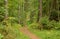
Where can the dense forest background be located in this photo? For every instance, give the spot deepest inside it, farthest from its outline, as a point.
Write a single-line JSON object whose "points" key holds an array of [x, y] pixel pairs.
{"points": [[34, 14]]}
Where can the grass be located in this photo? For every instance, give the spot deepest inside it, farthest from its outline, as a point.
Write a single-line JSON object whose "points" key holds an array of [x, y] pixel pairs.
{"points": [[47, 34], [22, 36], [19, 34]]}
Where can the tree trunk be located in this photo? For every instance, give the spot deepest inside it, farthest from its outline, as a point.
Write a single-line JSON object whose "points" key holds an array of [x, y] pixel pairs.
{"points": [[19, 12], [58, 8], [6, 9], [40, 14], [40, 10]]}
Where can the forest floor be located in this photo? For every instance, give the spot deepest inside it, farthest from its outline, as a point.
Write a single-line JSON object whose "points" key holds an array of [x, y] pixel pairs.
{"points": [[26, 31]]}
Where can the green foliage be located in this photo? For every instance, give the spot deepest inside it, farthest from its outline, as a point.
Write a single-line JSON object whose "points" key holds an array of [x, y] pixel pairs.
{"points": [[1, 18], [12, 31], [46, 24], [1, 36], [34, 26], [49, 24], [54, 15], [44, 21], [28, 14], [2, 13], [13, 20], [57, 25]]}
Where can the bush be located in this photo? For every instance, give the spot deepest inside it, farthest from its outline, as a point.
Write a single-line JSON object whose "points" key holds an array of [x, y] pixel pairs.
{"points": [[44, 21], [45, 24], [1, 18], [34, 26], [9, 31], [13, 20], [49, 24], [57, 26], [54, 15], [1, 36]]}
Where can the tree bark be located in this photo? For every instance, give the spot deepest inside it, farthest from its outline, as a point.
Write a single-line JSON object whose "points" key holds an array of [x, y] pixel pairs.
{"points": [[19, 14], [6, 9], [40, 10]]}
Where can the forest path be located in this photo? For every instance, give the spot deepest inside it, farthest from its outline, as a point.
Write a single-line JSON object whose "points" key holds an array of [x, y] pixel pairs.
{"points": [[26, 31]]}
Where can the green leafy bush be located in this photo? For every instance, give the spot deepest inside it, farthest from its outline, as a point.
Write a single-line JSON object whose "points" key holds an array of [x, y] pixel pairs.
{"points": [[46, 24], [34, 25], [49, 24], [1, 36], [57, 25], [44, 21], [54, 15], [13, 20], [9, 31]]}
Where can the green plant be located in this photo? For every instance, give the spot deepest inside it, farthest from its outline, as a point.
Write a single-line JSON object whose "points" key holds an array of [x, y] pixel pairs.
{"points": [[57, 26], [44, 21], [1, 36], [49, 24], [34, 25], [54, 15]]}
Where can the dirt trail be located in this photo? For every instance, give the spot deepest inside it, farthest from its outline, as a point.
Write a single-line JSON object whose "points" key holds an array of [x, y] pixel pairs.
{"points": [[28, 33]]}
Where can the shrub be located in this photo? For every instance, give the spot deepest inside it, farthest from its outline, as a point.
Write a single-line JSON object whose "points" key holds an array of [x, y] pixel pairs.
{"points": [[9, 31], [1, 36], [1, 18], [57, 26], [34, 26], [44, 21], [13, 20], [54, 15], [51, 24]]}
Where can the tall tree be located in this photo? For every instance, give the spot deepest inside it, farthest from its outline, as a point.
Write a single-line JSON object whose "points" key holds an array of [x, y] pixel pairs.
{"points": [[25, 12], [58, 9], [40, 10], [47, 7], [40, 14], [6, 9], [19, 11]]}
